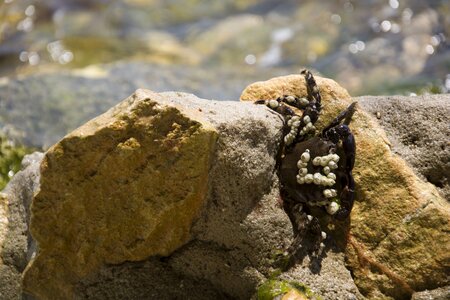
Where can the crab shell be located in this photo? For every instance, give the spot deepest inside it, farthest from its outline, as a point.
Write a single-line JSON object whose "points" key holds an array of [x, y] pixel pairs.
{"points": [[311, 194]]}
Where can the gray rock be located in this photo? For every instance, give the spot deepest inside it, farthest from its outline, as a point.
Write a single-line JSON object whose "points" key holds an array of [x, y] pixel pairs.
{"points": [[18, 247], [442, 293], [418, 128], [240, 230]]}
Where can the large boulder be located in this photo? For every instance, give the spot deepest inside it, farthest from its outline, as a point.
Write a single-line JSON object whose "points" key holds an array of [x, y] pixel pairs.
{"points": [[167, 196], [418, 129], [399, 225], [125, 186], [16, 245]]}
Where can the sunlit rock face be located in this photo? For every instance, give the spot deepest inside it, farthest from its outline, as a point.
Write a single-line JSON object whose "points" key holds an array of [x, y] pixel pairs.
{"points": [[399, 224], [125, 186], [417, 128], [224, 240]]}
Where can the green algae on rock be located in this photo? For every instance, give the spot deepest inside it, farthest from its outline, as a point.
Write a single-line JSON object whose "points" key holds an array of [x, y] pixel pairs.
{"points": [[125, 186], [10, 157], [291, 290]]}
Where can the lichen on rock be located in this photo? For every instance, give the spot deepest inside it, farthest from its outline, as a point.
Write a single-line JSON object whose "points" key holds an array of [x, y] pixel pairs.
{"points": [[125, 186]]}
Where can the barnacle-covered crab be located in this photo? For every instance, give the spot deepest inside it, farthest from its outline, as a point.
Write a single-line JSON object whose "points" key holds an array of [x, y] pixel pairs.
{"points": [[315, 170]]}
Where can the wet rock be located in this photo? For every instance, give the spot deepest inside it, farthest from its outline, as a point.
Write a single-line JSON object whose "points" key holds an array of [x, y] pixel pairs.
{"points": [[417, 128], [125, 186], [232, 39], [16, 246], [402, 249]]}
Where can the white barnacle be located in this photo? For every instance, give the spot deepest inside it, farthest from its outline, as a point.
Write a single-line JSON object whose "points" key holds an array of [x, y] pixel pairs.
{"points": [[295, 118], [309, 178], [332, 165], [289, 123], [322, 245], [324, 235], [317, 178], [327, 193], [309, 217], [301, 164], [333, 192], [304, 101], [326, 170], [309, 126], [316, 161], [331, 176], [330, 182], [303, 171], [288, 139], [324, 160], [273, 104], [335, 157], [302, 132], [290, 99], [300, 179], [306, 119], [332, 208], [296, 124], [305, 156]]}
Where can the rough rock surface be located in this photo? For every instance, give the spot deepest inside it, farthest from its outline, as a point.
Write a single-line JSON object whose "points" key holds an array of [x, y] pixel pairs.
{"points": [[399, 225], [241, 228], [16, 246], [436, 294], [123, 187], [418, 129], [230, 248]]}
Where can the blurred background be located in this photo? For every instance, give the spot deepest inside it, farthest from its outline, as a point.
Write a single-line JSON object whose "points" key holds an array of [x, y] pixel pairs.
{"points": [[63, 62]]}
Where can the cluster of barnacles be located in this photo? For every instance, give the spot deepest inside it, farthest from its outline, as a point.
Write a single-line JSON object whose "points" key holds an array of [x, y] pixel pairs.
{"points": [[328, 179]]}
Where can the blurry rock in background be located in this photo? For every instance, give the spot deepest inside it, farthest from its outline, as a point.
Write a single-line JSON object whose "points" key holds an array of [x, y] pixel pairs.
{"points": [[370, 47]]}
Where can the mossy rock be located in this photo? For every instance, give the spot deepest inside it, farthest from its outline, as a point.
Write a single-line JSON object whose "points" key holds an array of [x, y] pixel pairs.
{"points": [[280, 289]]}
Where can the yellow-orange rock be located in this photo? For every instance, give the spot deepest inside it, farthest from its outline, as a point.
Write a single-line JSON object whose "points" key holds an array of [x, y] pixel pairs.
{"points": [[125, 186], [398, 241]]}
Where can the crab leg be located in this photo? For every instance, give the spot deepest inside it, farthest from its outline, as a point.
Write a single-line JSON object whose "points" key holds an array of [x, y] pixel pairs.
{"points": [[311, 85], [302, 223], [347, 198], [345, 116], [349, 147]]}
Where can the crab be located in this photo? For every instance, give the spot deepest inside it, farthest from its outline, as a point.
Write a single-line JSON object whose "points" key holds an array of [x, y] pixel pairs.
{"points": [[314, 169]]}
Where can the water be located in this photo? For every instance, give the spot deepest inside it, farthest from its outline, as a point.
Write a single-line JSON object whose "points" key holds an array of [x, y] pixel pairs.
{"points": [[369, 47]]}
